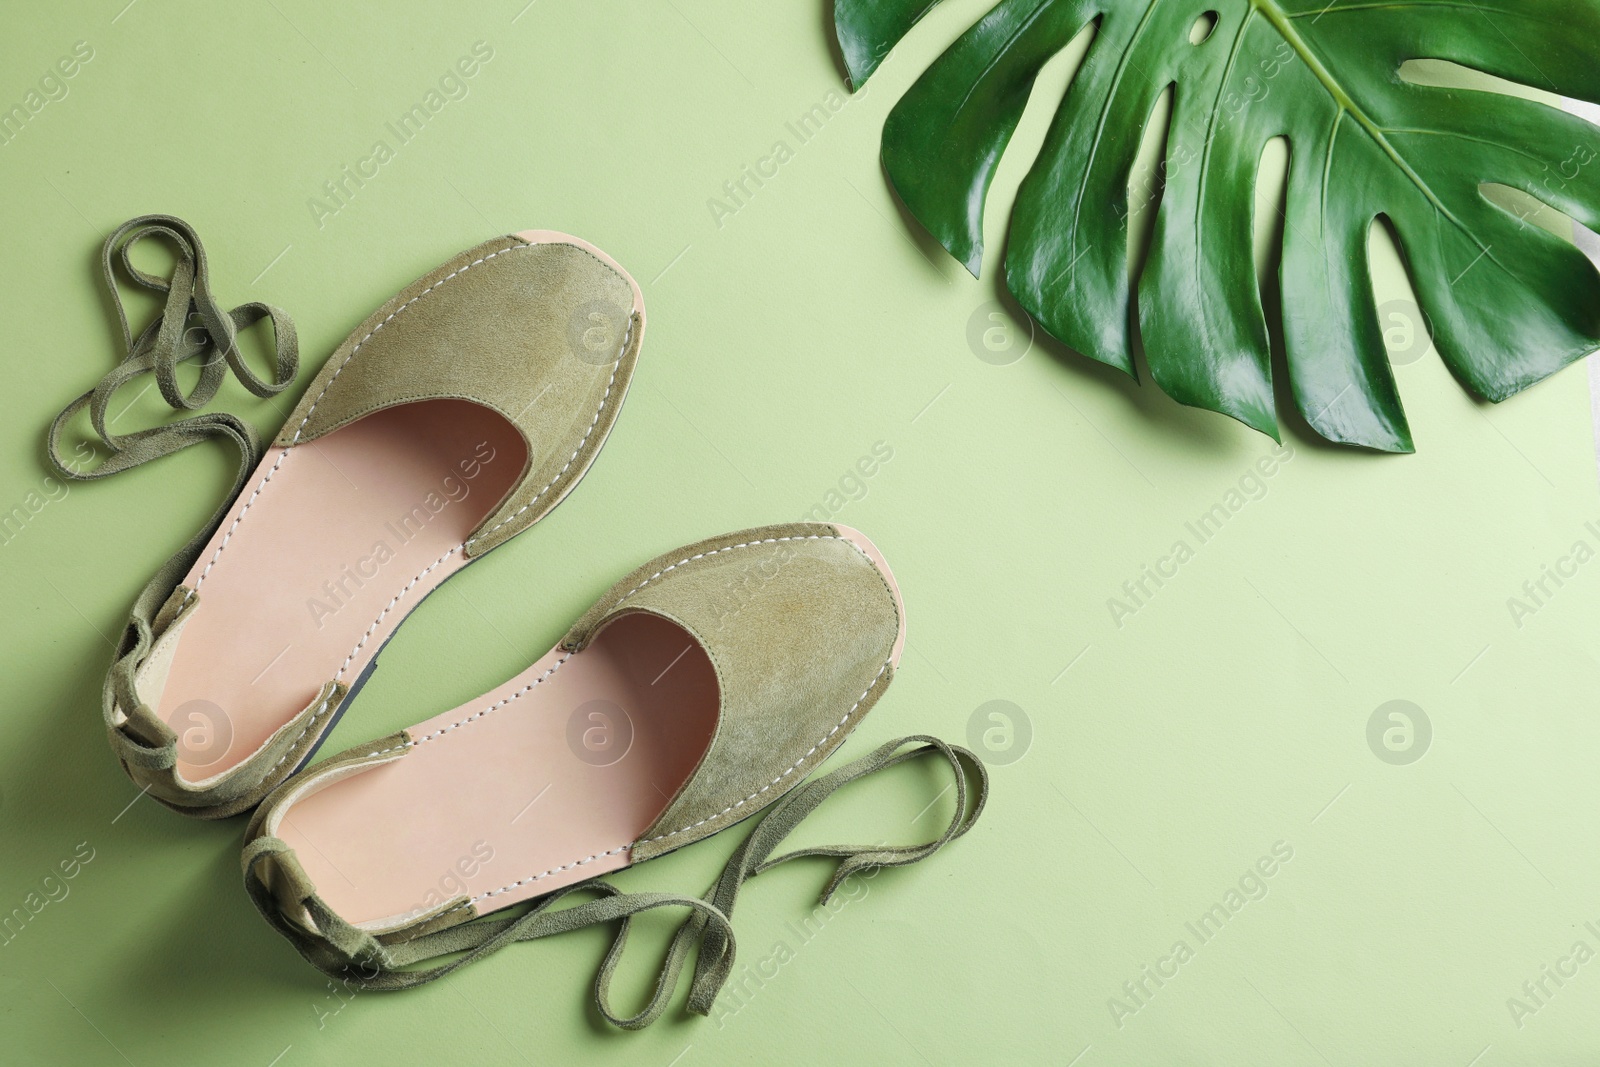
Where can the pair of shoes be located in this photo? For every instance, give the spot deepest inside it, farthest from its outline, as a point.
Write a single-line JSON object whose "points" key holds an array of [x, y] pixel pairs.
{"points": [[700, 690]]}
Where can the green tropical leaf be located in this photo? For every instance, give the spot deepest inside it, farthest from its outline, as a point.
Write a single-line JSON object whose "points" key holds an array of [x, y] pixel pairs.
{"points": [[1509, 303]]}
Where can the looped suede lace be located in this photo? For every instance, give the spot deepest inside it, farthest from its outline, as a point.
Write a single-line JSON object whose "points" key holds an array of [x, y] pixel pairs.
{"points": [[363, 961], [192, 326]]}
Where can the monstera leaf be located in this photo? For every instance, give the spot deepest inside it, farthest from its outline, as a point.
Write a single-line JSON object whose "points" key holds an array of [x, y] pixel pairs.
{"points": [[1508, 302]]}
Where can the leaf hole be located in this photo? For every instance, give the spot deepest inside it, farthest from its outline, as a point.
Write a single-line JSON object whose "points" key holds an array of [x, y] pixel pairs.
{"points": [[1550, 197], [1443, 74], [1147, 180], [1200, 32], [1267, 225], [1406, 329], [1272, 196], [1531, 209]]}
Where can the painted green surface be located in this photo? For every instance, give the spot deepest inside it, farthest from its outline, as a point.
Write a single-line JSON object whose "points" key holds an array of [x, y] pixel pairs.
{"points": [[1510, 304], [1172, 743]]}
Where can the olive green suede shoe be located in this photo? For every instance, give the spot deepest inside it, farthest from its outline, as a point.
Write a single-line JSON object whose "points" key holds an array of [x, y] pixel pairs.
{"points": [[454, 418], [702, 688]]}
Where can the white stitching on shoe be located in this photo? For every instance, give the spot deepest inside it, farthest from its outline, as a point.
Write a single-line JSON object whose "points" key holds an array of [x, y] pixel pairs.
{"points": [[237, 519], [312, 409], [309, 724], [416, 913], [390, 607], [546, 874], [495, 706], [274, 469], [556, 666], [731, 807], [702, 822], [627, 339], [729, 548], [467, 544], [624, 596], [785, 774], [599, 411]]}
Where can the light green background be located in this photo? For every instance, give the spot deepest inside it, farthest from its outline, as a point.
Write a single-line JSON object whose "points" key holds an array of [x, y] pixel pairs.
{"points": [[1167, 755]]}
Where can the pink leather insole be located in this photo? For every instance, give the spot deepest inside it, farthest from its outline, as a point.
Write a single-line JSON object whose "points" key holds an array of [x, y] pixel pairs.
{"points": [[541, 783], [328, 548]]}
